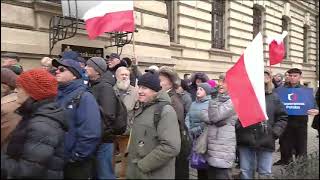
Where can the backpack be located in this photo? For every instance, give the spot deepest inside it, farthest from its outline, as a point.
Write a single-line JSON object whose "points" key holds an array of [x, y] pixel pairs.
{"points": [[119, 126], [186, 144]]}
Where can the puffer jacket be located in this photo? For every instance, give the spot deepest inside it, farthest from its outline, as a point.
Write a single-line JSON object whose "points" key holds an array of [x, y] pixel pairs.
{"points": [[194, 116], [255, 136], [221, 132], [36, 147], [152, 150]]}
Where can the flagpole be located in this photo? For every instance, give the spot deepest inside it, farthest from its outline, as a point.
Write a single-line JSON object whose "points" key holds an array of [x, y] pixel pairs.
{"points": [[134, 48]]}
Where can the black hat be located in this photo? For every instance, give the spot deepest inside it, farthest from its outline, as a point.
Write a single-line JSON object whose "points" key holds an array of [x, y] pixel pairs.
{"points": [[114, 55], [294, 70], [150, 80], [11, 55]]}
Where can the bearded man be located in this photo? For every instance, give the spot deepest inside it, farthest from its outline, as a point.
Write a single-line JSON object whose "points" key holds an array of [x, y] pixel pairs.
{"points": [[129, 96]]}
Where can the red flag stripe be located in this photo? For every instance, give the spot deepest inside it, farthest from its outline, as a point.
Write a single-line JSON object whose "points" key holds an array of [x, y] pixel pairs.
{"points": [[242, 94], [122, 21]]}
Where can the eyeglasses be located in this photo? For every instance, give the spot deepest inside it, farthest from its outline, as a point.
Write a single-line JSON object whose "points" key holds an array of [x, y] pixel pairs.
{"points": [[62, 69]]}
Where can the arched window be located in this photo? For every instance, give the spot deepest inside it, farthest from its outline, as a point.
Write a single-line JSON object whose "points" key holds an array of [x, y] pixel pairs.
{"points": [[217, 24], [257, 21]]}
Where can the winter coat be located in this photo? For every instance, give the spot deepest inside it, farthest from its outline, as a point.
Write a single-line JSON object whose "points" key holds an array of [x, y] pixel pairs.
{"points": [[194, 116], [221, 132], [186, 100], [177, 106], [35, 150], [129, 98], [9, 119], [255, 136], [83, 119], [152, 150], [134, 74], [102, 90]]}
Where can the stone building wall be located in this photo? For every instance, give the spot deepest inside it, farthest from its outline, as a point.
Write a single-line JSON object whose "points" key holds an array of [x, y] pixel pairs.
{"points": [[24, 30]]}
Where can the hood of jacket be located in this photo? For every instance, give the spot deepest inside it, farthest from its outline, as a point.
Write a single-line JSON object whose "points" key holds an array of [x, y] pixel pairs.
{"points": [[107, 77], [223, 97], [206, 98], [162, 96], [46, 108]]}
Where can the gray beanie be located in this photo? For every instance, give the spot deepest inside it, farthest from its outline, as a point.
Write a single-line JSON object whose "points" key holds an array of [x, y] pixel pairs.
{"points": [[207, 88], [98, 63]]}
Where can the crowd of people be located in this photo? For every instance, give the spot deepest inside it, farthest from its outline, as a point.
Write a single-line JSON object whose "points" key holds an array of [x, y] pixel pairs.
{"points": [[71, 118]]}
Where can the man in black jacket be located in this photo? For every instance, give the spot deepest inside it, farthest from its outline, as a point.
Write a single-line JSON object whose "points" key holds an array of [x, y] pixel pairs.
{"points": [[257, 142], [102, 82], [295, 135]]}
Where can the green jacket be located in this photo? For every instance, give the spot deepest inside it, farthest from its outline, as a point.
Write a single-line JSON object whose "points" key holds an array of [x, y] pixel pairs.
{"points": [[152, 150]]}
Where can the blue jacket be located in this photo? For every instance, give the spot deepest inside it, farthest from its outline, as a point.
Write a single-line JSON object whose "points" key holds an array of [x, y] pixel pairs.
{"points": [[84, 121], [193, 118]]}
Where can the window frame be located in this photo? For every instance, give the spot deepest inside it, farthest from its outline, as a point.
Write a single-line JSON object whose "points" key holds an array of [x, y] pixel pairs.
{"points": [[305, 43], [217, 24]]}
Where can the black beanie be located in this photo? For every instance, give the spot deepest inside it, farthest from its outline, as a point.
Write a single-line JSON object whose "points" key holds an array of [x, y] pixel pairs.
{"points": [[150, 80]]}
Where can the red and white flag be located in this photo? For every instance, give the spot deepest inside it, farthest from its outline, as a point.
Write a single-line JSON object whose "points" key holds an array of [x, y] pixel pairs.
{"points": [[245, 81], [109, 16], [276, 48]]}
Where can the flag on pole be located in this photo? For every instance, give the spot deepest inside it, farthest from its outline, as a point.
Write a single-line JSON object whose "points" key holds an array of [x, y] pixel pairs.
{"points": [[109, 16], [276, 48], [245, 81]]}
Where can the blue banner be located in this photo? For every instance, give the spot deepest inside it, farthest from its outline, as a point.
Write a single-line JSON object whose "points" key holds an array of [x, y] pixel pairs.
{"points": [[297, 101]]}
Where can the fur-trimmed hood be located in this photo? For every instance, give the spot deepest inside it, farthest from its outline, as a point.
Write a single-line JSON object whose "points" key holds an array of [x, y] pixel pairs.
{"points": [[171, 74]]}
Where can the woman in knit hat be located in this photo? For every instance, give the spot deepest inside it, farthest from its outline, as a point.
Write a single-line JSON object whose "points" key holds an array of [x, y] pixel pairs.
{"points": [[197, 78], [155, 139], [35, 149], [194, 119], [9, 119]]}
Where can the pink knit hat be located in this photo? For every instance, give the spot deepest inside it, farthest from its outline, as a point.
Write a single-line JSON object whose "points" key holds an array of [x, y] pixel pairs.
{"points": [[212, 83]]}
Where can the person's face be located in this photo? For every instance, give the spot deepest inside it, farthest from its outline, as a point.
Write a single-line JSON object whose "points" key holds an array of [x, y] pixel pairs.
{"points": [[91, 72], [63, 75], [186, 76], [201, 93], [287, 77], [146, 94], [8, 62], [223, 88], [277, 78], [267, 78], [294, 78], [165, 83], [22, 95], [5, 89], [123, 75], [198, 81], [113, 62]]}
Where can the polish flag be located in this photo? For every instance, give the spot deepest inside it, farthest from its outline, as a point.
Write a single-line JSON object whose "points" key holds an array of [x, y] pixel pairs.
{"points": [[276, 48], [109, 16], [245, 81]]}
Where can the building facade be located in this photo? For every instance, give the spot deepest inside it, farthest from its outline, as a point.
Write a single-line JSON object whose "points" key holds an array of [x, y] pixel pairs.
{"points": [[206, 35]]}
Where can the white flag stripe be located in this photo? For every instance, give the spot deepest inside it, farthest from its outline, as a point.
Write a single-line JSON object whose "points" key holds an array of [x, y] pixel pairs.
{"points": [[105, 7], [254, 64]]}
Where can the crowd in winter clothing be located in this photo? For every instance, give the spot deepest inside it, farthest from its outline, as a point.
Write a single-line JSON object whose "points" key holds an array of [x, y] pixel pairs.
{"points": [[72, 117]]}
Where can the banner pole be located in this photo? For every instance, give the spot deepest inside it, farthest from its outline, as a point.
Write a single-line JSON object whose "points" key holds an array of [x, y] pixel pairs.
{"points": [[134, 48]]}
